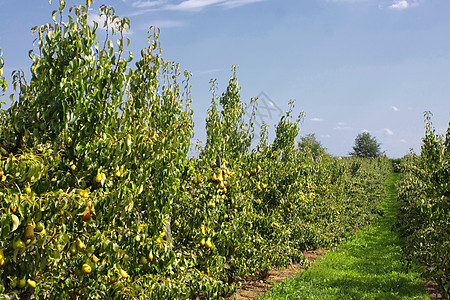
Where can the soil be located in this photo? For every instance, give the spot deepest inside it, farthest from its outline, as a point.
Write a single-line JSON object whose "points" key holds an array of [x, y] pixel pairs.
{"points": [[253, 289], [433, 289]]}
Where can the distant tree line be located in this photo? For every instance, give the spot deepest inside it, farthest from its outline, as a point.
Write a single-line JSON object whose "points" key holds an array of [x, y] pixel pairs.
{"points": [[366, 145]]}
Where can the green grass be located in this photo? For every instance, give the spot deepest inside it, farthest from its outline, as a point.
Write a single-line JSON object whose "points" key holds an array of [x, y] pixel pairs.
{"points": [[367, 266]]}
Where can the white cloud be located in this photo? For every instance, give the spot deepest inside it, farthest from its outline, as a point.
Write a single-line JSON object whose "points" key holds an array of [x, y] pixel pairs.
{"points": [[187, 4], [96, 17], [236, 3], [403, 141], [101, 21], [392, 4], [342, 128], [163, 24], [388, 131], [403, 4], [316, 119], [394, 108], [193, 4], [348, 1], [147, 4], [209, 71]]}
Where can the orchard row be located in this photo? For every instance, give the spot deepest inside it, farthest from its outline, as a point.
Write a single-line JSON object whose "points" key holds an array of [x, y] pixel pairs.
{"points": [[101, 201], [424, 219]]}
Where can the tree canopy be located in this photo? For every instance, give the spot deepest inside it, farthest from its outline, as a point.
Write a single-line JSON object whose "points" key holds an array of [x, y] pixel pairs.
{"points": [[366, 145], [310, 141]]}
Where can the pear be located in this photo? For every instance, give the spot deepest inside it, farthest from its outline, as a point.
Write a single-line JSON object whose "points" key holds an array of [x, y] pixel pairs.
{"points": [[203, 229], [124, 273], [87, 216], [87, 268], [80, 245], [73, 249], [98, 178], [209, 244], [214, 177], [220, 176], [143, 260], [21, 283], [18, 244], [31, 283], [29, 232]]}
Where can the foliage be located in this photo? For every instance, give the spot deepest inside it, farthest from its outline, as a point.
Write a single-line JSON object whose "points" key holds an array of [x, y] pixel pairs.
{"points": [[3, 83], [366, 146], [310, 141], [425, 213], [95, 152], [396, 164], [99, 198]]}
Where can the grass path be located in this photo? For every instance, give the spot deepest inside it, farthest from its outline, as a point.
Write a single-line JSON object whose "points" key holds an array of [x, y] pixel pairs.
{"points": [[367, 266]]}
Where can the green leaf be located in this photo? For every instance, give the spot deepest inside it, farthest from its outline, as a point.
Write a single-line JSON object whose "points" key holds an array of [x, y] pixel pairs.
{"points": [[16, 222], [95, 28], [54, 15], [129, 207], [55, 254], [5, 228]]}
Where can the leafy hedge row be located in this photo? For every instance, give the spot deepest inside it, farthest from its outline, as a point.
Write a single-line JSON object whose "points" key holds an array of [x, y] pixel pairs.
{"points": [[99, 197], [424, 193]]}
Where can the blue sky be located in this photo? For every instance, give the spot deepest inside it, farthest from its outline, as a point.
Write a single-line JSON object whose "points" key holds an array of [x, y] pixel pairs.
{"points": [[351, 65]]}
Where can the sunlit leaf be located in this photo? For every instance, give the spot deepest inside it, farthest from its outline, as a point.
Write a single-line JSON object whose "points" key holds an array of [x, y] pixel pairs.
{"points": [[15, 221]]}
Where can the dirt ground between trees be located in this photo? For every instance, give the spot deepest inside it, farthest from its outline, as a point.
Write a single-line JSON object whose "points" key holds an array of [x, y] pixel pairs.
{"points": [[252, 289], [433, 289]]}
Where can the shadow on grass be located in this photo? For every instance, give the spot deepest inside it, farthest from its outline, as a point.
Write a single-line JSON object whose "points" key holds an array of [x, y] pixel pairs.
{"points": [[368, 266]]}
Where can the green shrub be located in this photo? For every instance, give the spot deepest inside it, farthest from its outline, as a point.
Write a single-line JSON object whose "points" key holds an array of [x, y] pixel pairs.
{"points": [[425, 213]]}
